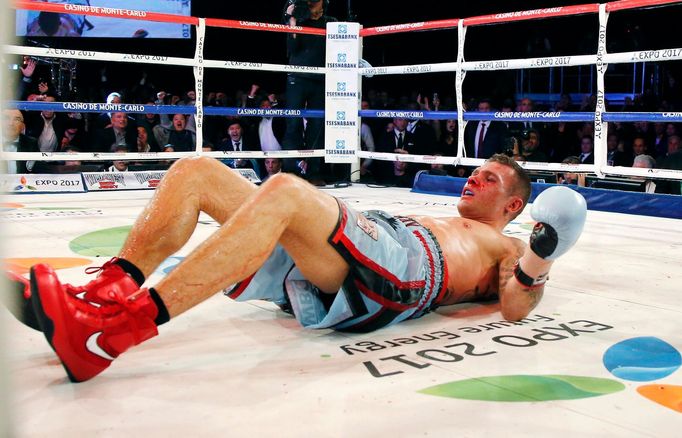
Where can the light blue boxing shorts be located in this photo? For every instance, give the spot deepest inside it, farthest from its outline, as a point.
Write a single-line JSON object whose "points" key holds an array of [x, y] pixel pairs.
{"points": [[397, 272]]}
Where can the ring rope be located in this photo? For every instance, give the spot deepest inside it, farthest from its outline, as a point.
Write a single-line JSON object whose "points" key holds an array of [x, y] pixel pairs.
{"points": [[460, 67]]}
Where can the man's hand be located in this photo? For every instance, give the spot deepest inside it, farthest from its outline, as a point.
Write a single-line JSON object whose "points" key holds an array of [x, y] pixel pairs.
{"points": [[29, 69], [561, 214], [292, 20], [254, 90]]}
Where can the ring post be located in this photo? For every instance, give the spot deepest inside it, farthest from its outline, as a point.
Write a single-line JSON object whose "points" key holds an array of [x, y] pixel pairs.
{"points": [[199, 84], [600, 127], [342, 88]]}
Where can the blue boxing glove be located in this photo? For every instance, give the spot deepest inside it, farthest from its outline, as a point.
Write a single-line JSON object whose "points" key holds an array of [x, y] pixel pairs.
{"points": [[560, 213]]}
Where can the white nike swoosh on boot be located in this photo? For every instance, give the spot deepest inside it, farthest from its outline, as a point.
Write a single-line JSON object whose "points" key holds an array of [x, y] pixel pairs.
{"points": [[81, 296], [94, 348]]}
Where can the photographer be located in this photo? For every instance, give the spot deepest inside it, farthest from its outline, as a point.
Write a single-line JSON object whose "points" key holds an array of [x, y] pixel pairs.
{"points": [[305, 90]]}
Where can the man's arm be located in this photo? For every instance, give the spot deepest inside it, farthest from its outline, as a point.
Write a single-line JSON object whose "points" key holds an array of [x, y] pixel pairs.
{"points": [[518, 299], [560, 214]]}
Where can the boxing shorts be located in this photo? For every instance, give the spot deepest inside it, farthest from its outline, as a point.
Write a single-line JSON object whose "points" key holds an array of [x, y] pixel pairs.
{"points": [[396, 272]]}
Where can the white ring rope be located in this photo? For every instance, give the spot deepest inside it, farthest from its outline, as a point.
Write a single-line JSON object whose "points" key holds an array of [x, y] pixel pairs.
{"points": [[460, 67]]}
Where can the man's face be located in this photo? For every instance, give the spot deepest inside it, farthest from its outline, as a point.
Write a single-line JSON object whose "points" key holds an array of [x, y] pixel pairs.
{"points": [[586, 146], [525, 105], [670, 129], [451, 125], [484, 107], [612, 143], [273, 165], [487, 193], [400, 124], [192, 95], [142, 136], [315, 5], [638, 146], [13, 123], [119, 120], [235, 132], [179, 122], [532, 143], [48, 114]]}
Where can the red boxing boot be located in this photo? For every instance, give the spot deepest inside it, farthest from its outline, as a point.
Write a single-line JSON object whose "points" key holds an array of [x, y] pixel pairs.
{"points": [[18, 301], [88, 336]]}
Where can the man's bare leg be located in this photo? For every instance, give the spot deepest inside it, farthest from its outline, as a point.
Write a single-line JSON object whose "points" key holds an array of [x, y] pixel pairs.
{"points": [[87, 336], [285, 209], [192, 185]]}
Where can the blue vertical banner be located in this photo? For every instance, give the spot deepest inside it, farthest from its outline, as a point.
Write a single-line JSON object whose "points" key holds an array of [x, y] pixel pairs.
{"points": [[342, 91]]}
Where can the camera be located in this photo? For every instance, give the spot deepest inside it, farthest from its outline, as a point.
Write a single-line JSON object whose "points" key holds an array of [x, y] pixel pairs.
{"points": [[302, 9]]}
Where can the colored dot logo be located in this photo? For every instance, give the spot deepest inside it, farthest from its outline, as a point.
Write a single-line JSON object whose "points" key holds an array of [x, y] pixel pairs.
{"points": [[641, 359], [23, 185]]}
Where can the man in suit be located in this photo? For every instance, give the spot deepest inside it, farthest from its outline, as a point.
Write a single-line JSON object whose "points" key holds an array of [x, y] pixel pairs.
{"points": [[120, 132], [237, 141], [673, 160], [586, 150], [15, 141], [269, 131], [400, 141], [484, 138]]}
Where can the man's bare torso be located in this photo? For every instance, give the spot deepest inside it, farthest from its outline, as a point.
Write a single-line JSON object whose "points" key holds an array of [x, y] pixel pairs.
{"points": [[473, 252]]}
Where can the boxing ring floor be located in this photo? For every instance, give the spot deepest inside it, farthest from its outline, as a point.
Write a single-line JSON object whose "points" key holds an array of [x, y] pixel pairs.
{"points": [[247, 369]]}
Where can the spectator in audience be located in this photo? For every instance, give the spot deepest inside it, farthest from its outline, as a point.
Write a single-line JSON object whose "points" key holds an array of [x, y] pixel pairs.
{"points": [[366, 143], [484, 138], [74, 133], [570, 177], [272, 166], [586, 150], [400, 141], [103, 120], [447, 144], [15, 141], [673, 160], [119, 165], [236, 140], [119, 132], [530, 147], [47, 127], [71, 150], [179, 137], [525, 105], [660, 140], [615, 157], [422, 131], [646, 162], [143, 144], [639, 146], [305, 90], [268, 130]]}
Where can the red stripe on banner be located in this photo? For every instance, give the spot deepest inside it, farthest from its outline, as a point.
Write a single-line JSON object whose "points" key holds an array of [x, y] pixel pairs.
{"points": [[533, 14], [383, 301], [105, 12], [410, 27], [632, 4], [251, 25]]}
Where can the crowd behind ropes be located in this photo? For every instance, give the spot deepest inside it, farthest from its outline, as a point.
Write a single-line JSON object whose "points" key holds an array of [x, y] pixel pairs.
{"points": [[632, 144]]}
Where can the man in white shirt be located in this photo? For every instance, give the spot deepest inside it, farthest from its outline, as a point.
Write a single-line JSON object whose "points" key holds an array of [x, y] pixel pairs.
{"points": [[15, 141]]}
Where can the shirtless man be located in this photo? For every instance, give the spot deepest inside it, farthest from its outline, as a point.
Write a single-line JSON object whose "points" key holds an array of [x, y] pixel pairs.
{"points": [[292, 244]]}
